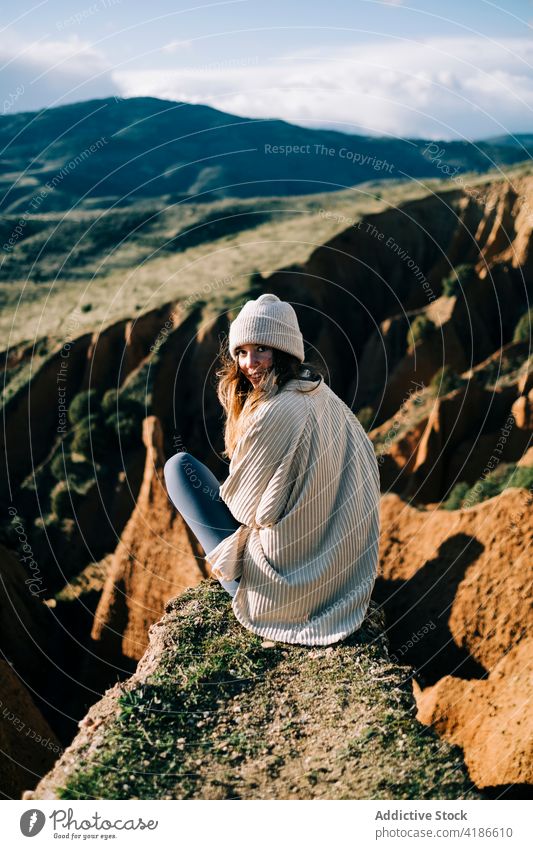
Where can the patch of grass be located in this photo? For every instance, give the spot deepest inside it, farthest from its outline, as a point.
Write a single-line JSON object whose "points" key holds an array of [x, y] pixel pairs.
{"points": [[505, 369], [522, 331], [421, 329], [459, 280], [445, 380], [83, 405], [201, 669], [61, 500], [366, 416], [506, 475], [217, 225], [456, 496], [405, 765], [16, 379]]}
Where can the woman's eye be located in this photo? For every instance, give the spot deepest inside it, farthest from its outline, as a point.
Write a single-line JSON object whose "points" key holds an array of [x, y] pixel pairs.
{"points": [[259, 349]]}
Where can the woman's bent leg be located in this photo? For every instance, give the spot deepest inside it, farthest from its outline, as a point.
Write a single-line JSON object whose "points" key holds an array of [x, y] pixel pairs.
{"points": [[194, 491]]}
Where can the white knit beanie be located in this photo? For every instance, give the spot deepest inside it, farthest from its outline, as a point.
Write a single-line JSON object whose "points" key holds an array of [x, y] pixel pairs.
{"points": [[267, 321]]}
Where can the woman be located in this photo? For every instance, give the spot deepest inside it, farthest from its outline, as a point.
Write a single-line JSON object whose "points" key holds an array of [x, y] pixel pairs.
{"points": [[293, 532]]}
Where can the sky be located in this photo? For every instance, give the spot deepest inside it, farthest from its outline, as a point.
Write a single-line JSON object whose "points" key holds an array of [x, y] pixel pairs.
{"points": [[407, 68]]}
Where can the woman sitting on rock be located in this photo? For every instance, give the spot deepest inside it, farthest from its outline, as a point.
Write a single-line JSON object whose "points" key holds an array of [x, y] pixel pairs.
{"points": [[292, 534]]}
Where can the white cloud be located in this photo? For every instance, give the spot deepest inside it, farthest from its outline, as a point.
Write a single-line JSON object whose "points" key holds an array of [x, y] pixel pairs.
{"points": [[50, 72], [439, 88], [174, 46]]}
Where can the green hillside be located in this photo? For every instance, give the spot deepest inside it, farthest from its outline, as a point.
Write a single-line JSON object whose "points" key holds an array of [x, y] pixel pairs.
{"points": [[118, 151]]}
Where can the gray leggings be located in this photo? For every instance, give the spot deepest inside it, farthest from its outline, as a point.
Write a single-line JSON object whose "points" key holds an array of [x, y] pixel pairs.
{"points": [[194, 491]]}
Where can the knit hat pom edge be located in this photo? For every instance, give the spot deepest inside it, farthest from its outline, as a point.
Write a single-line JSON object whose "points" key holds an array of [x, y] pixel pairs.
{"points": [[267, 298]]}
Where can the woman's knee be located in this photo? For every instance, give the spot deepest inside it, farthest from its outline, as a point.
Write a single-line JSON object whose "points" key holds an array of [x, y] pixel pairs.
{"points": [[178, 465]]}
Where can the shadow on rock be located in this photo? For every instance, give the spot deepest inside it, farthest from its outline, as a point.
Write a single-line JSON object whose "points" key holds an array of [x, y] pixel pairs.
{"points": [[417, 611]]}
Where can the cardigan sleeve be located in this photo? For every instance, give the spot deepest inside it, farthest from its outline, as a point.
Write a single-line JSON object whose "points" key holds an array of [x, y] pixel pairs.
{"points": [[261, 469], [226, 558], [260, 478]]}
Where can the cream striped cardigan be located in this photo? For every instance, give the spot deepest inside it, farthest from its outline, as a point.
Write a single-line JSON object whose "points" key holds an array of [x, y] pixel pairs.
{"points": [[304, 483]]}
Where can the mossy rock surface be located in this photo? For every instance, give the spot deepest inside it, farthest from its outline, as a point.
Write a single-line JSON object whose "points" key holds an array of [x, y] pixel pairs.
{"points": [[215, 712]]}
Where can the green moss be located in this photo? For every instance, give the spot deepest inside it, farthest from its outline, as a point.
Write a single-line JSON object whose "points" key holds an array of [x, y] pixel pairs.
{"points": [[506, 475], [123, 416], [192, 678], [83, 405], [366, 416], [522, 331], [456, 496], [91, 437], [421, 329], [521, 477], [78, 474], [459, 280], [445, 380], [61, 500], [504, 370]]}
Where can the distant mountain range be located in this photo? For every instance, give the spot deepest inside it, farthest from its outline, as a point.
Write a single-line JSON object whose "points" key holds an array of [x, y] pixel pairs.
{"points": [[114, 152]]}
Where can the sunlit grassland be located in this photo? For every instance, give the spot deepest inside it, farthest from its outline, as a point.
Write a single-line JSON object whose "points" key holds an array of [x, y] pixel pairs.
{"points": [[104, 265]]}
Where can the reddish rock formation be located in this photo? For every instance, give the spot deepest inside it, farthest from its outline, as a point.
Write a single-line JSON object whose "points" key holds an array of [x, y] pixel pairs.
{"points": [[467, 570], [156, 559], [184, 396], [102, 359], [425, 451], [28, 745], [117, 350], [31, 416], [365, 275], [522, 411], [451, 420], [506, 229], [26, 624], [527, 459], [393, 376], [455, 587], [491, 719]]}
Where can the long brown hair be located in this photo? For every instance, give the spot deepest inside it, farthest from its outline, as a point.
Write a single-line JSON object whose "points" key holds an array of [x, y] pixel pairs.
{"points": [[239, 397]]}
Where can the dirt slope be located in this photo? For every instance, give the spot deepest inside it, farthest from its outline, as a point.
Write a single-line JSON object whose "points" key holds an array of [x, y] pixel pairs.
{"points": [[490, 719], [456, 588]]}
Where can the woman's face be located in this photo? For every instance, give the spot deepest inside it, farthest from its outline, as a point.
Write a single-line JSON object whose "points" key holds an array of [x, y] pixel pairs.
{"points": [[253, 360]]}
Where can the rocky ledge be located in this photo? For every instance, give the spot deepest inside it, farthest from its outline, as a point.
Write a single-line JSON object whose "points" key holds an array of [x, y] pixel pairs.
{"points": [[215, 712]]}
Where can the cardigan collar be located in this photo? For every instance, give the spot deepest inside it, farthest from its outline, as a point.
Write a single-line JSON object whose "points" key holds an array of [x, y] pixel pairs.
{"points": [[301, 385]]}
